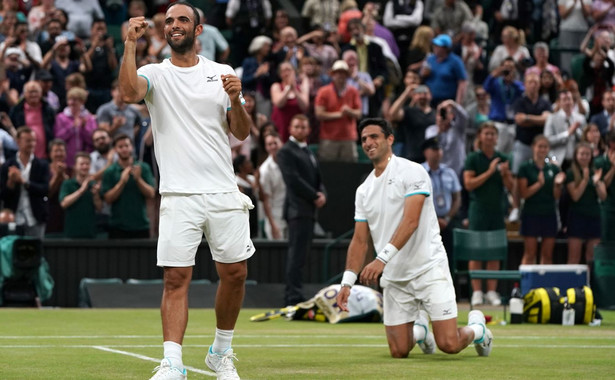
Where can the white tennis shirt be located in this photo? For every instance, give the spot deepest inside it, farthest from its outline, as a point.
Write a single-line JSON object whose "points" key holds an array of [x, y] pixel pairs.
{"points": [[380, 202], [188, 108]]}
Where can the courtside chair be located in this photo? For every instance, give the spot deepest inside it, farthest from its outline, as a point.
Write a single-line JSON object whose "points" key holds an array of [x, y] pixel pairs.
{"points": [[482, 246]]}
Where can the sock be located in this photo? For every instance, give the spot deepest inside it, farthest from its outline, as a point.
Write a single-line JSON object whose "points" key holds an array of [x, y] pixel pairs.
{"points": [[173, 352], [222, 341], [418, 332], [479, 332]]}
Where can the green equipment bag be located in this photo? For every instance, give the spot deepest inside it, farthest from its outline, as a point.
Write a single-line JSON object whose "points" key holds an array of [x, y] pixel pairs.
{"points": [[582, 301], [542, 305]]}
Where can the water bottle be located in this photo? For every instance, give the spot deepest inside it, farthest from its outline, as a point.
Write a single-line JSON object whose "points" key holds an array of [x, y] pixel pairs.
{"points": [[567, 314], [516, 305]]}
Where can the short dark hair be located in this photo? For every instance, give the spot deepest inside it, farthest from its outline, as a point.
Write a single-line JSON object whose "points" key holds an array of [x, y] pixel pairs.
{"points": [[98, 20], [356, 21], [56, 142], [23, 129], [99, 129], [301, 117], [384, 125], [120, 137], [197, 18], [83, 155]]}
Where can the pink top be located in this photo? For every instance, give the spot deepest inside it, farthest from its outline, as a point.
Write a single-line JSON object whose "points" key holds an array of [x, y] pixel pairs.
{"points": [[77, 139], [34, 119]]}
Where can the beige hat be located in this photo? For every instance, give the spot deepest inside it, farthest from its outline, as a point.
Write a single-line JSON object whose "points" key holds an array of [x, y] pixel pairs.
{"points": [[340, 65]]}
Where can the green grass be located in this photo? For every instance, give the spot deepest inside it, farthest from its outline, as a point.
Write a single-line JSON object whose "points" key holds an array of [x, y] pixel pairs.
{"points": [[62, 344]]}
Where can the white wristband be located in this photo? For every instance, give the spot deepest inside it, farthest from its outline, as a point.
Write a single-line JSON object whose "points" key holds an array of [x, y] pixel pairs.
{"points": [[387, 253], [349, 278]]}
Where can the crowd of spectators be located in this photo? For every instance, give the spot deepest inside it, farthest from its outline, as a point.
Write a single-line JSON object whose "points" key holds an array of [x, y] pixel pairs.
{"points": [[469, 74]]}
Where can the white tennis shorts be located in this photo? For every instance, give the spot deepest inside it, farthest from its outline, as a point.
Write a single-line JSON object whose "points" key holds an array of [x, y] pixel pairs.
{"points": [[223, 217], [432, 291]]}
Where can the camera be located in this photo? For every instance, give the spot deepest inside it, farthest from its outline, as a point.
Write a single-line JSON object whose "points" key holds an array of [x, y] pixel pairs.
{"points": [[443, 112], [505, 72]]}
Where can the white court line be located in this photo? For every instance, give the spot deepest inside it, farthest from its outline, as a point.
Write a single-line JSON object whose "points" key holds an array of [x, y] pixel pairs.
{"points": [[149, 359], [107, 348], [329, 336]]}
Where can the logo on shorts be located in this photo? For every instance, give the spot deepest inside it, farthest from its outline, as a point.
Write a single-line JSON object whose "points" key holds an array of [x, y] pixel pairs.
{"points": [[446, 312], [248, 248], [213, 78]]}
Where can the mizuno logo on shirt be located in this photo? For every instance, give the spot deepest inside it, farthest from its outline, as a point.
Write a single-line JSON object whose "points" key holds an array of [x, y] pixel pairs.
{"points": [[213, 78], [418, 185]]}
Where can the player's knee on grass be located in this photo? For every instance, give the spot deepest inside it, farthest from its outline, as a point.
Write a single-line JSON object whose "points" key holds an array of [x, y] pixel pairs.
{"points": [[398, 350], [449, 344], [448, 347], [399, 354]]}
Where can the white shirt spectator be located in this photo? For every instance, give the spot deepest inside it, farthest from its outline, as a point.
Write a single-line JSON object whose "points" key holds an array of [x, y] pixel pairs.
{"points": [[556, 131]]}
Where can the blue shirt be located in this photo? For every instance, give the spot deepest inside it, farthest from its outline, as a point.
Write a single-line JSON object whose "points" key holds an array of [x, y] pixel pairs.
{"points": [[445, 75], [444, 184], [502, 95]]}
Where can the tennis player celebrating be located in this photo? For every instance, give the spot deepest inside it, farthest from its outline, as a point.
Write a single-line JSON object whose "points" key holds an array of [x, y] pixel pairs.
{"points": [[395, 214], [193, 103]]}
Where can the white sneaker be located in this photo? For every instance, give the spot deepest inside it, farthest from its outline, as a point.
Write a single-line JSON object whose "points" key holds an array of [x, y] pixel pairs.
{"points": [[514, 215], [493, 298], [166, 371], [222, 365], [427, 345], [484, 348], [477, 298], [482, 344]]}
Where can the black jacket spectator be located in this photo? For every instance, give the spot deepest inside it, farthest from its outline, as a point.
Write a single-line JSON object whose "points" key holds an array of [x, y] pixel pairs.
{"points": [[38, 188]]}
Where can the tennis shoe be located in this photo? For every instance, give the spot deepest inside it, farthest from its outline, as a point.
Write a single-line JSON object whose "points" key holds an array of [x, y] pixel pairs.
{"points": [[222, 364], [483, 344], [427, 345], [166, 371]]}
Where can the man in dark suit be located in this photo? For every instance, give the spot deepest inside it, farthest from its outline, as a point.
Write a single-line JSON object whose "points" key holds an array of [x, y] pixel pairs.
{"points": [[24, 185], [304, 194]]}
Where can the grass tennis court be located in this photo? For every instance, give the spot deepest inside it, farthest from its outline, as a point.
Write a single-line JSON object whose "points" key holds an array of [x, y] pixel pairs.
{"points": [[126, 344]]}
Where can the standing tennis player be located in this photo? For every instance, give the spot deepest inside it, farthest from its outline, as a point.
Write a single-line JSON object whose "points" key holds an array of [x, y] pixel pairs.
{"points": [[394, 214], [193, 103]]}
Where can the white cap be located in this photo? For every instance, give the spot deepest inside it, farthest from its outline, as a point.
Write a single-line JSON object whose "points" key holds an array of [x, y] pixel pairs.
{"points": [[340, 65], [15, 50]]}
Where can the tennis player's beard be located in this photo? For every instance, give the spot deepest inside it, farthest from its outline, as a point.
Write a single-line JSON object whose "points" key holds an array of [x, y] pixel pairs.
{"points": [[183, 46]]}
